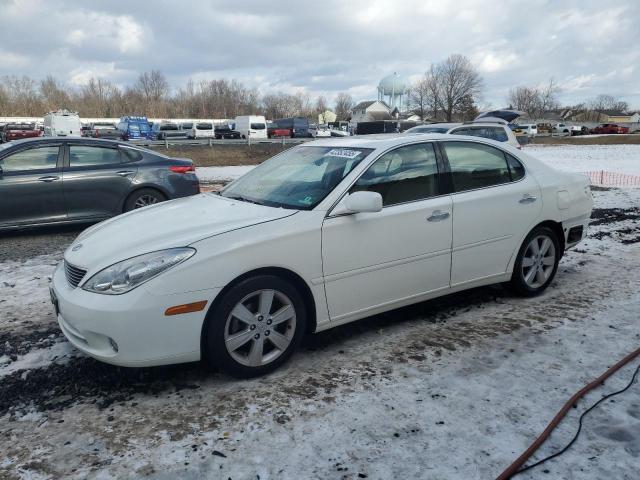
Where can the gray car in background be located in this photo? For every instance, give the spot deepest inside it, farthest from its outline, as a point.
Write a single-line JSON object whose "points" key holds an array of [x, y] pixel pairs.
{"points": [[77, 180]]}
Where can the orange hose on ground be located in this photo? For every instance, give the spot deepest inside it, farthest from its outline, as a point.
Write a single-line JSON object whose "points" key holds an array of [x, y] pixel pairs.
{"points": [[519, 462]]}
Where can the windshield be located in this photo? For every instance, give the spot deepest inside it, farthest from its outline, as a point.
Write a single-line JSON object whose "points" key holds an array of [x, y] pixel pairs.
{"points": [[133, 127], [299, 178]]}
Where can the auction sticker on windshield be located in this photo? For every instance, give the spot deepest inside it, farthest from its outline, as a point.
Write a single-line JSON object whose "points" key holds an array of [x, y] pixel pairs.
{"points": [[343, 153]]}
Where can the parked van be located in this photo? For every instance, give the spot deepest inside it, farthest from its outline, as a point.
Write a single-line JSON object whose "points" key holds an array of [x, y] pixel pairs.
{"points": [[297, 126], [202, 130], [252, 126], [62, 123], [133, 127]]}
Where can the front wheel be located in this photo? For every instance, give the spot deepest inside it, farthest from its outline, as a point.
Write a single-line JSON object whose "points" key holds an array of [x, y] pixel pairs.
{"points": [[256, 326], [537, 262]]}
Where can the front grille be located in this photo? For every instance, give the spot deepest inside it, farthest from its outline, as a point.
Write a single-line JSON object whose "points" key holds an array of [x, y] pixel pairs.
{"points": [[74, 274]]}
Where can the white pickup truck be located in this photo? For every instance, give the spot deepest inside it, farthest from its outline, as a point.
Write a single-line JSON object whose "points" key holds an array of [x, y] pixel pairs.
{"points": [[566, 129]]}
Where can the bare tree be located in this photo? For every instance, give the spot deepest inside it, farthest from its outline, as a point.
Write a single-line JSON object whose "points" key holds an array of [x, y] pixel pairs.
{"points": [[418, 97], [608, 102], [344, 104], [457, 80], [23, 95], [526, 99], [549, 96], [535, 100], [54, 95], [153, 87], [100, 98], [321, 105]]}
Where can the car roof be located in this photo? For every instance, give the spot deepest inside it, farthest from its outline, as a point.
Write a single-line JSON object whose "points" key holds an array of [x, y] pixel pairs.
{"points": [[377, 141], [96, 141], [436, 125], [384, 141]]}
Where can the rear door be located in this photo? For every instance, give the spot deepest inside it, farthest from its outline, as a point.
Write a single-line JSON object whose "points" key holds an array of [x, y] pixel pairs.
{"points": [[495, 203], [96, 180], [31, 186]]}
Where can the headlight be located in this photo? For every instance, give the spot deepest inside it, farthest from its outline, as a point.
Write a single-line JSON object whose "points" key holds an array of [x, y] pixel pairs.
{"points": [[128, 274]]}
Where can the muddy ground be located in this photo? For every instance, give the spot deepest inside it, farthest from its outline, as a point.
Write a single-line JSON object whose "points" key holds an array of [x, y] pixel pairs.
{"points": [[67, 416]]}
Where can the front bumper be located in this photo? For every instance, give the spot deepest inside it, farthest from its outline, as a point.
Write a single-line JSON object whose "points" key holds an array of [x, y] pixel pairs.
{"points": [[130, 330]]}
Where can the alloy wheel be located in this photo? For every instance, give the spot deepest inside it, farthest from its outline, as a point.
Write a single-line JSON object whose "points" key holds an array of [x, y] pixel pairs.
{"points": [[145, 200], [260, 328], [538, 261]]}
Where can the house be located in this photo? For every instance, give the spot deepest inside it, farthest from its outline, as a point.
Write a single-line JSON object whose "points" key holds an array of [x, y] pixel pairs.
{"points": [[606, 116], [370, 111], [613, 116]]}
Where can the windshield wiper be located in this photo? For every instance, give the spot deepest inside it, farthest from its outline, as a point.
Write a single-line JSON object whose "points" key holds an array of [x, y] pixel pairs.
{"points": [[245, 199]]}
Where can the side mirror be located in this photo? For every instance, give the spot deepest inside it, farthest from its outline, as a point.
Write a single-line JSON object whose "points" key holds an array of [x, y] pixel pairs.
{"points": [[359, 202]]}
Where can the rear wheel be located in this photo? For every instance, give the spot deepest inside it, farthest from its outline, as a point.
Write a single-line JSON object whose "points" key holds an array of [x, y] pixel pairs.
{"points": [[537, 262], [256, 326], [143, 198]]}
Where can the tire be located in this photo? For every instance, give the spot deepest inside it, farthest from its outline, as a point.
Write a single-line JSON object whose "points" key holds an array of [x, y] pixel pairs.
{"points": [[222, 326], [533, 272], [143, 198]]}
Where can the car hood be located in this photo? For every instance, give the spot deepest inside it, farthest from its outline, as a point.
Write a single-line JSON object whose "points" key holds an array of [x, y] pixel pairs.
{"points": [[175, 223]]}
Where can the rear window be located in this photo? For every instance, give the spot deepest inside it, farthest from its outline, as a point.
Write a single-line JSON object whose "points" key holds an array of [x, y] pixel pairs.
{"points": [[258, 126], [104, 126], [187, 126], [17, 126], [204, 126], [168, 127]]}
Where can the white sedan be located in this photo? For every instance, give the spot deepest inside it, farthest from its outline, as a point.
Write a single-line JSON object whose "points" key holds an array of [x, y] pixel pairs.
{"points": [[320, 235]]}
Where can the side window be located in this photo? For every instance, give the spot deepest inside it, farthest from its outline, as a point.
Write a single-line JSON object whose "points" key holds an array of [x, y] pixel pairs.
{"points": [[497, 133], [516, 168], [403, 175], [31, 159], [130, 155], [82, 156], [474, 165]]}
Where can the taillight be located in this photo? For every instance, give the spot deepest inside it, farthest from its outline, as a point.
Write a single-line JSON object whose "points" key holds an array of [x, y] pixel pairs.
{"points": [[182, 168]]}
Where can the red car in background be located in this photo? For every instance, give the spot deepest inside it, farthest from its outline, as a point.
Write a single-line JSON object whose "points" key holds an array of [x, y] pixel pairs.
{"points": [[610, 128], [17, 131]]}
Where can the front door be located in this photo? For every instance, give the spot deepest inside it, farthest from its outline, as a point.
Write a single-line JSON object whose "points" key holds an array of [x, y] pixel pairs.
{"points": [[376, 261], [31, 186], [96, 181], [495, 204]]}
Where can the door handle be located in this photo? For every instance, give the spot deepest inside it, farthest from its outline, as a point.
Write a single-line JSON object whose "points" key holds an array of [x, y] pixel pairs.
{"points": [[526, 198], [124, 173], [437, 216], [48, 178]]}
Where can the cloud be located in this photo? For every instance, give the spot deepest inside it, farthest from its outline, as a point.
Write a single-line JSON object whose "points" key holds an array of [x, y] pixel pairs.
{"points": [[327, 47]]}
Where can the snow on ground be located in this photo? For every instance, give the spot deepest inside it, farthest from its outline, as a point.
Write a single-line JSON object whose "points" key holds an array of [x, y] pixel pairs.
{"points": [[579, 158], [222, 174], [455, 388]]}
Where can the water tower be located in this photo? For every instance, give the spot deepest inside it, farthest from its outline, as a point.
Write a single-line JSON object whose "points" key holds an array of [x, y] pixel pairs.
{"points": [[393, 90]]}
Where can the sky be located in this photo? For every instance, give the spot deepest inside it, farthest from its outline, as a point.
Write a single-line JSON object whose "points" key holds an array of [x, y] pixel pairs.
{"points": [[326, 47]]}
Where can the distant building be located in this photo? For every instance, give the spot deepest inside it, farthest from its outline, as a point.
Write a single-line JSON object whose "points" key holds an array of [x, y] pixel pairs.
{"points": [[606, 116], [370, 111]]}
